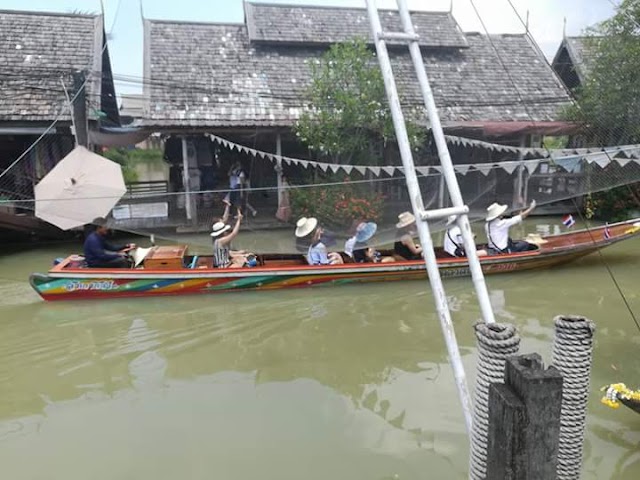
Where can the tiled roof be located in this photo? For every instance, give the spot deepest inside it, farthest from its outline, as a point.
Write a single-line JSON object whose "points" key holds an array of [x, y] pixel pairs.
{"points": [[327, 25], [580, 54], [37, 51], [212, 75]]}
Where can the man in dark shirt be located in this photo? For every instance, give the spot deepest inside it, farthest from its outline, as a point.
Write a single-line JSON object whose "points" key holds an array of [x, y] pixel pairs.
{"points": [[99, 253]]}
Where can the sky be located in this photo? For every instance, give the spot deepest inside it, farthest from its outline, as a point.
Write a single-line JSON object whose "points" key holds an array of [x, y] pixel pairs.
{"points": [[124, 20]]}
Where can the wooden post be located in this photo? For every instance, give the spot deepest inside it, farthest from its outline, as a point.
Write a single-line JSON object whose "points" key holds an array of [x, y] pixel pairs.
{"points": [[278, 167], [185, 177], [80, 109], [524, 421]]}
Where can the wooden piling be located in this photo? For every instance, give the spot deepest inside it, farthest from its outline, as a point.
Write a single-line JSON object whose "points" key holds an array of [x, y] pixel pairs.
{"points": [[524, 421]]}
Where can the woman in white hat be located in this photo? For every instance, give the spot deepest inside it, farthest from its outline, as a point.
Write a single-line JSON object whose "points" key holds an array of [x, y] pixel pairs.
{"points": [[497, 229], [223, 234], [307, 228], [405, 247]]}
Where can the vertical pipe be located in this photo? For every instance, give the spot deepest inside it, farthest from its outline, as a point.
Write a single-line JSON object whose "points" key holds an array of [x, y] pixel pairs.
{"points": [[278, 167], [518, 196], [415, 196], [185, 177], [447, 167]]}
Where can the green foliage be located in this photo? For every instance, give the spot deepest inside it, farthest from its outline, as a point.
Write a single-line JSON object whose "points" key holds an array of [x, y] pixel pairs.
{"points": [[347, 116], [128, 158], [613, 205], [339, 205], [608, 102], [553, 143]]}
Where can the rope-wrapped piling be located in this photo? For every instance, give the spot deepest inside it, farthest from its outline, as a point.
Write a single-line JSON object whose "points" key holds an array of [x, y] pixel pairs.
{"points": [[572, 355], [496, 342]]}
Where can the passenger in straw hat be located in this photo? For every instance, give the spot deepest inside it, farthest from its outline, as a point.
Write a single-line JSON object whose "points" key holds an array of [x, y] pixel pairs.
{"points": [[453, 243], [497, 229], [307, 229], [404, 247], [223, 234]]}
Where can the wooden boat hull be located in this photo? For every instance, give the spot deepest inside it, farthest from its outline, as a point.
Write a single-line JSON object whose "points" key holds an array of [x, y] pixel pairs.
{"points": [[82, 283]]}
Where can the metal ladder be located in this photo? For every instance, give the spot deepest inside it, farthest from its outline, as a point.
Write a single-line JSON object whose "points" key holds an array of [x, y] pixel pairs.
{"points": [[423, 216]]}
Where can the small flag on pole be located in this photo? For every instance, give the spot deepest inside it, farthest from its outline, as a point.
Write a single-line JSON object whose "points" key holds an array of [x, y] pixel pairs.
{"points": [[568, 221], [607, 232]]}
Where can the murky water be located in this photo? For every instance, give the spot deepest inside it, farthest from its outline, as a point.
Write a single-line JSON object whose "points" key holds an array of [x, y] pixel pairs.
{"points": [[332, 383]]}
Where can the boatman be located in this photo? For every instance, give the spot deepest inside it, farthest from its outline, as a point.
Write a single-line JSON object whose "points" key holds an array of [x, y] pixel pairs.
{"points": [[99, 253], [497, 229]]}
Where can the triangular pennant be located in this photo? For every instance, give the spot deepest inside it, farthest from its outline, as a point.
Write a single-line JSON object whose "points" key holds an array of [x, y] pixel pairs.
{"points": [[304, 163], [270, 157], [389, 170], [261, 154], [462, 169], [509, 167], [622, 161], [287, 160], [323, 166], [361, 170], [423, 170], [375, 170], [334, 168], [347, 168], [531, 165], [253, 152], [437, 169], [485, 169], [601, 159]]}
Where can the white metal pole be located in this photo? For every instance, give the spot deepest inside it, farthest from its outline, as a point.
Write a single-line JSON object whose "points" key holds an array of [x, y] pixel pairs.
{"points": [[415, 195], [279, 168], [447, 167], [185, 177]]}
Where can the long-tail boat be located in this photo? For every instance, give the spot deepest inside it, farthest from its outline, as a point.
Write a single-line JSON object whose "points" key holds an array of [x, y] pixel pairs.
{"points": [[170, 270]]}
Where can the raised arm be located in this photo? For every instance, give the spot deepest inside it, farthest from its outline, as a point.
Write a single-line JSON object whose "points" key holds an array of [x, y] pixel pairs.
{"points": [[234, 232], [525, 213]]}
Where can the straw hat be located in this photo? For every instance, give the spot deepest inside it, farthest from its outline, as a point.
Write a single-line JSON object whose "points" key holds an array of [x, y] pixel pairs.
{"points": [[219, 228], [406, 219], [305, 226], [535, 239], [451, 220], [365, 231], [495, 210]]}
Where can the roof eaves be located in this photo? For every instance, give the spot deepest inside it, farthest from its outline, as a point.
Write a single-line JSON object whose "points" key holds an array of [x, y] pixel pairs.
{"points": [[48, 14]]}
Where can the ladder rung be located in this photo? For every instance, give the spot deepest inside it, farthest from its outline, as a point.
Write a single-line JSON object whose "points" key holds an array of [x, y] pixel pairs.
{"points": [[443, 212], [405, 37]]}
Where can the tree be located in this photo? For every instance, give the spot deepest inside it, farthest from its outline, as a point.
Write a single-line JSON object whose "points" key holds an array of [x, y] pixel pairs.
{"points": [[608, 102], [347, 116]]}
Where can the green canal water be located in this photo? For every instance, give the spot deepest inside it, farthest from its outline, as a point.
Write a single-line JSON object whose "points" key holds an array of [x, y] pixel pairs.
{"points": [[332, 383]]}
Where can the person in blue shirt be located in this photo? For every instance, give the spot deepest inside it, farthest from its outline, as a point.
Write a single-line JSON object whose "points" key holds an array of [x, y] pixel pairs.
{"points": [[99, 253], [307, 228]]}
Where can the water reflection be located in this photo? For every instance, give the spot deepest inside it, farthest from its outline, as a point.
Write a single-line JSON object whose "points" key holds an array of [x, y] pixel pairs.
{"points": [[329, 383]]}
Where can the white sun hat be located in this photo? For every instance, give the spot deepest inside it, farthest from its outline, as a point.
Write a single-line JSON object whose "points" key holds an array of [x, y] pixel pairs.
{"points": [[305, 226], [219, 228], [495, 210], [406, 219], [452, 219]]}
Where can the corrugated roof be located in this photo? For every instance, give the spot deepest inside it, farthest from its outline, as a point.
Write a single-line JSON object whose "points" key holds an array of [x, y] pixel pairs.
{"points": [[37, 52], [212, 75], [317, 25]]}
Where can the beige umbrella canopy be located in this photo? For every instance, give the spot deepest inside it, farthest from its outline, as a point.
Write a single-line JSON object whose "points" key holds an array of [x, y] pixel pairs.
{"points": [[81, 187]]}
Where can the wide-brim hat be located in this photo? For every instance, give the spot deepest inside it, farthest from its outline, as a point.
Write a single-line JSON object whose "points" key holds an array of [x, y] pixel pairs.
{"points": [[451, 220], [495, 210], [305, 226], [365, 231], [219, 228], [535, 239], [406, 219]]}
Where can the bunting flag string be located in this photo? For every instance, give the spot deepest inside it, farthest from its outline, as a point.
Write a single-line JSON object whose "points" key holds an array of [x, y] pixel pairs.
{"points": [[568, 159]]}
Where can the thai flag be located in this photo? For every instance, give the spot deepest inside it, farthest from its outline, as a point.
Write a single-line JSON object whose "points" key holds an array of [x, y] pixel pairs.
{"points": [[607, 232], [568, 221]]}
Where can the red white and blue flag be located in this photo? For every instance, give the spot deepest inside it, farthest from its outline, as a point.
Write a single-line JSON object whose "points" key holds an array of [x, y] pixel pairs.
{"points": [[606, 232], [568, 221]]}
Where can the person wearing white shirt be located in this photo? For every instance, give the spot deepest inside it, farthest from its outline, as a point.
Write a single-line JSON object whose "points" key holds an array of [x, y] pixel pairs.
{"points": [[497, 229], [453, 243]]}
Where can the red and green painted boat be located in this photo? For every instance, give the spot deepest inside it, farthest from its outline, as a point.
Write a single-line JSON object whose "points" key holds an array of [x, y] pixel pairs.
{"points": [[187, 274]]}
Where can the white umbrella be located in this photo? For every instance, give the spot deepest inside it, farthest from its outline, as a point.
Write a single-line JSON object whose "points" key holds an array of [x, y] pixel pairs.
{"points": [[81, 187]]}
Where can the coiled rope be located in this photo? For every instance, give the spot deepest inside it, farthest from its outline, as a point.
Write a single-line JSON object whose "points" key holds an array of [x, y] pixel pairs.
{"points": [[572, 355], [496, 342]]}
